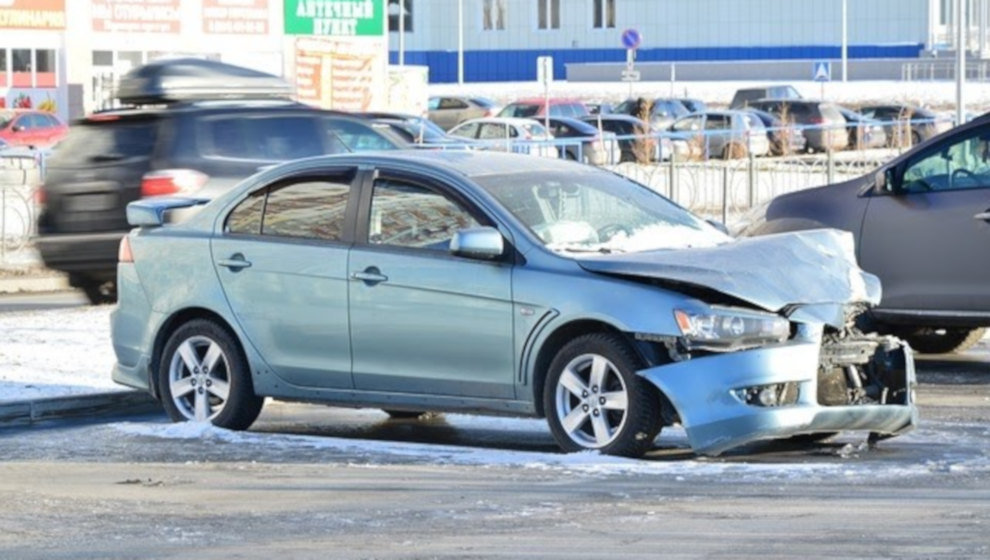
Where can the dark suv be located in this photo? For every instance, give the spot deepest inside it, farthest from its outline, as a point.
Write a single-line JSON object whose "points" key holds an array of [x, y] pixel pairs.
{"points": [[182, 147], [921, 223]]}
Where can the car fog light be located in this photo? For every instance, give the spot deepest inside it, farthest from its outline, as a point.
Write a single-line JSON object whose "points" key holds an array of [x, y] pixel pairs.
{"points": [[776, 394]]}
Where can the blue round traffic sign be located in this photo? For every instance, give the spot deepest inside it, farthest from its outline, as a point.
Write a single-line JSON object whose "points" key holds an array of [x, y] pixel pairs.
{"points": [[631, 39]]}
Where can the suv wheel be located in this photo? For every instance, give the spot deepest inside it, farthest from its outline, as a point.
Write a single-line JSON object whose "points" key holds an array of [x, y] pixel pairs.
{"points": [[928, 340], [98, 292]]}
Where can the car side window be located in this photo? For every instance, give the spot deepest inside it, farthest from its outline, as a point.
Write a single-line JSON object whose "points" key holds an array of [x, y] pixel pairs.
{"points": [[404, 214], [311, 208], [688, 124], [433, 104], [964, 164], [468, 130], [492, 131], [358, 136], [451, 103], [716, 122], [275, 138]]}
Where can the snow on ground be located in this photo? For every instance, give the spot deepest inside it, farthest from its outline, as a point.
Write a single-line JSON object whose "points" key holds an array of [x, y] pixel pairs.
{"points": [[939, 95], [55, 353], [845, 461]]}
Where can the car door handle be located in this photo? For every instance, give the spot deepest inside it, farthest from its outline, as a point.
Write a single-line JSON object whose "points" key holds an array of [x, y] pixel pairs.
{"points": [[235, 262], [985, 216], [370, 276]]}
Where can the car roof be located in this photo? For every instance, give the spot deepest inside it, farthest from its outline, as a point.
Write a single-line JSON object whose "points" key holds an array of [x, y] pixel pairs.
{"points": [[542, 101], [518, 121], [462, 162]]}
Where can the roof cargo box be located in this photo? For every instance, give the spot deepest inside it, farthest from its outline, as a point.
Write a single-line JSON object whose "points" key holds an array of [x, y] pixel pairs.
{"points": [[193, 79]]}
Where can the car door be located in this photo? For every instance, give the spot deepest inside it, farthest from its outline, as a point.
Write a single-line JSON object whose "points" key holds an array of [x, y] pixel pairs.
{"points": [[423, 320], [451, 112], [282, 263], [929, 239]]}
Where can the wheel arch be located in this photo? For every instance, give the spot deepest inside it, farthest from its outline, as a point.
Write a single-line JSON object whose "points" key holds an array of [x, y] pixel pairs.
{"points": [[170, 325], [566, 332]]}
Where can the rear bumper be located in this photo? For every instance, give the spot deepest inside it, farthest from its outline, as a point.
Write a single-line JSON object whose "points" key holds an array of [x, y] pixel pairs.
{"points": [[703, 390], [94, 254]]}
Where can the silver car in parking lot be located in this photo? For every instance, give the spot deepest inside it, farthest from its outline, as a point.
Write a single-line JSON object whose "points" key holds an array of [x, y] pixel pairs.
{"points": [[501, 284]]}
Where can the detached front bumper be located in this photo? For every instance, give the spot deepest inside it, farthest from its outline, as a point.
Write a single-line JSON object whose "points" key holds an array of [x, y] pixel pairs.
{"points": [[706, 391]]}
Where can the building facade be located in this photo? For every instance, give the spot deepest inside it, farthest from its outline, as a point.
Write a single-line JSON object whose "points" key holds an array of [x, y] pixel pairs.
{"points": [[502, 38]]}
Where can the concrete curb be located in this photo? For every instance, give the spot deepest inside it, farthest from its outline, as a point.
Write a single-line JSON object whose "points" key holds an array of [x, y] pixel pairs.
{"points": [[21, 413], [33, 284]]}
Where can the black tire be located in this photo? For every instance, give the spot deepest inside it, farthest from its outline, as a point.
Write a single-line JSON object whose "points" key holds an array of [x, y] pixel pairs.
{"points": [[635, 427], [402, 414], [940, 341], [97, 292], [241, 406]]}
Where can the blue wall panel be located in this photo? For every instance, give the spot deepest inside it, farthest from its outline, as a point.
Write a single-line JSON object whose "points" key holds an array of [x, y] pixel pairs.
{"points": [[520, 65]]}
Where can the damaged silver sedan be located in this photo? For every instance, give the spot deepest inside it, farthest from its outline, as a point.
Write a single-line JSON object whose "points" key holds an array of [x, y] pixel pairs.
{"points": [[500, 284]]}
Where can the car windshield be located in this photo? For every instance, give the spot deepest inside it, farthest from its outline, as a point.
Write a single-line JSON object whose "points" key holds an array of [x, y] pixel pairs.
{"points": [[598, 212]]}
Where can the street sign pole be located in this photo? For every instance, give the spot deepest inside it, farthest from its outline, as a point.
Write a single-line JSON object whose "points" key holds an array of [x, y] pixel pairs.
{"points": [[631, 40]]}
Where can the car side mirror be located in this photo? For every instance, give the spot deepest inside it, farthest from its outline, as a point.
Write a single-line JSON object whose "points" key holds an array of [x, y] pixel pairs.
{"points": [[885, 181], [18, 128], [484, 243]]}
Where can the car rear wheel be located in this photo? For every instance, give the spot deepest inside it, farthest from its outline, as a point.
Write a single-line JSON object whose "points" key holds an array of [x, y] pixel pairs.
{"points": [[929, 340], [594, 399], [203, 376]]}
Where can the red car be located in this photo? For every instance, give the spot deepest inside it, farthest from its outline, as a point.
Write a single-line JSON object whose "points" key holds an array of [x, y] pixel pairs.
{"points": [[26, 127]]}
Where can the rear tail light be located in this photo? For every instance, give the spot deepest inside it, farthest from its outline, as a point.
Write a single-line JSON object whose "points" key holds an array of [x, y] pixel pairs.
{"points": [[489, 113], [124, 254], [171, 181], [818, 120]]}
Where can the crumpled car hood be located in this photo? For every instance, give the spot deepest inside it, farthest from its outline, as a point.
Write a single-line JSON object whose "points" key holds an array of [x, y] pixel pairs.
{"points": [[771, 272]]}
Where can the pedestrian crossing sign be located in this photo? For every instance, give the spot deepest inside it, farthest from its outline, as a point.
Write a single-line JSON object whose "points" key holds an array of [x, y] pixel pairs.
{"points": [[822, 71]]}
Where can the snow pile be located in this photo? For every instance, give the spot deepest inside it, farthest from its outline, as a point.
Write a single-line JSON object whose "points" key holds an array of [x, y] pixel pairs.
{"points": [[55, 353]]}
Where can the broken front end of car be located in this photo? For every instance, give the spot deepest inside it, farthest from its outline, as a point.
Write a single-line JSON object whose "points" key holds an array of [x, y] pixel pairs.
{"points": [[772, 356]]}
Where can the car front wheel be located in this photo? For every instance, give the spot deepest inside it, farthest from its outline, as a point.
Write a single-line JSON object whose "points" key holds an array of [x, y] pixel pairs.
{"points": [[595, 401], [203, 376]]}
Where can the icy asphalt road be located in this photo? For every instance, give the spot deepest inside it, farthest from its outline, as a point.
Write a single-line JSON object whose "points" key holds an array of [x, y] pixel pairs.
{"points": [[317, 482]]}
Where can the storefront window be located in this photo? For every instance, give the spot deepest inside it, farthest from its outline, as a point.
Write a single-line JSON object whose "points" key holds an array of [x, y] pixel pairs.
{"points": [[493, 12], [548, 14], [3, 67], [21, 65], [45, 71]]}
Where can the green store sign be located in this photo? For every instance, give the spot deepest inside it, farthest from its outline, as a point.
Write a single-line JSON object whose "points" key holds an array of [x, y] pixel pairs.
{"points": [[337, 18]]}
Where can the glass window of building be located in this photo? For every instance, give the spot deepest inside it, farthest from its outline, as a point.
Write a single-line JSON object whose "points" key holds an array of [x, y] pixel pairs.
{"points": [[394, 10], [493, 15], [548, 14], [21, 65], [3, 67], [45, 71], [604, 16]]}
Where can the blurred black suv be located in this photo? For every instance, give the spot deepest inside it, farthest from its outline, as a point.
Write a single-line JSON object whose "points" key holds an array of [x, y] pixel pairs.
{"points": [[201, 127]]}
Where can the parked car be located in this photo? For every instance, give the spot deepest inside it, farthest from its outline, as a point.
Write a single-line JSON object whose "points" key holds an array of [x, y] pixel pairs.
{"points": [[539, 107], [419, 132], [784, 138], [636, 141], [864, 133], [920, 224], [179, 144], [662, 112], [498, 283], [31, 128], [820, 122], [525, 136], [599, 107], [449, 111], [587, 144], [904, 122], [693, 105], [744, 97], [720, 134]]}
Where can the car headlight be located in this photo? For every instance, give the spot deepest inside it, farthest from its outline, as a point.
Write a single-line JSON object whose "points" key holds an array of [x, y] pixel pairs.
{"points": [[723, 330]]}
